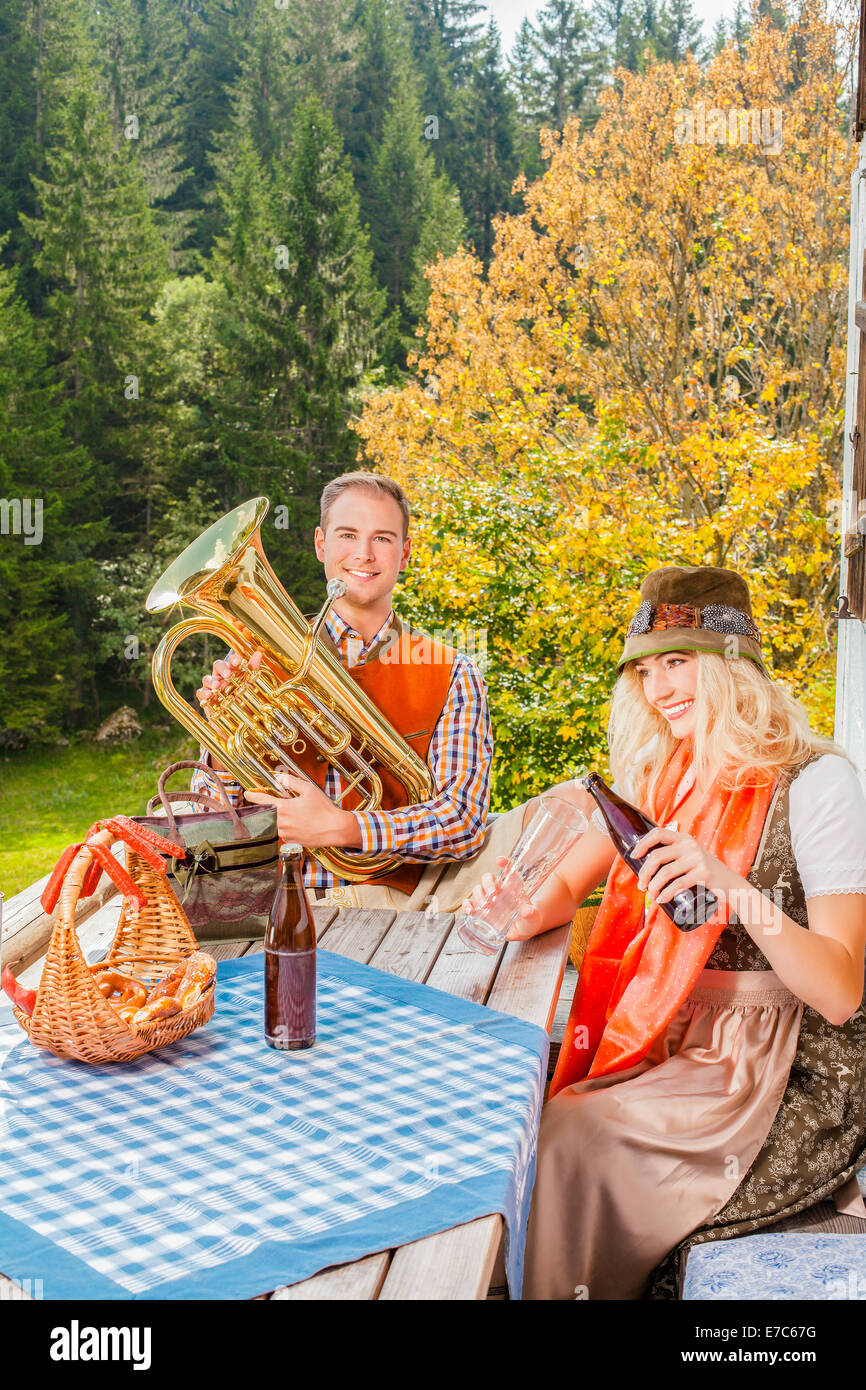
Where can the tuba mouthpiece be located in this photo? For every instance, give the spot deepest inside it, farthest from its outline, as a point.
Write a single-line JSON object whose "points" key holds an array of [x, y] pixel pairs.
{"points": [[336, 589]]}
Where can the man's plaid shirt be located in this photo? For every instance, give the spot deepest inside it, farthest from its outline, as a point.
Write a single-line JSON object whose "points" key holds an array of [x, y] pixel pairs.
{"points": [[452, 825]]}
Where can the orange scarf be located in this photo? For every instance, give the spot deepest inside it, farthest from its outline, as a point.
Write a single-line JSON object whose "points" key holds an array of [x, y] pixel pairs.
{"points": [[636, 973]]}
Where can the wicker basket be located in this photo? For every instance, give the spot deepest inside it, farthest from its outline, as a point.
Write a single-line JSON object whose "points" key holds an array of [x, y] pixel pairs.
{"points": [[71, 1018]]}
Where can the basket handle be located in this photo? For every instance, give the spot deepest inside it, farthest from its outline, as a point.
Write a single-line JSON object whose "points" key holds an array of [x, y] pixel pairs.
{"points": [[99, 837], [241, 832], [74, 867]]}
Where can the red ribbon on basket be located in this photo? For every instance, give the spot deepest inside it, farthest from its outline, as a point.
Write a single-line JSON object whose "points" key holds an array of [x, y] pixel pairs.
{"points": [[143, 840]]}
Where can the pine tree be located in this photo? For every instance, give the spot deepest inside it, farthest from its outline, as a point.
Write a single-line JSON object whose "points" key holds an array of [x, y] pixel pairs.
{"points": [[41, 42], [720, 35], [145, 73], [444, 36], [442, 232], [679, 31], [438, 93], [323, 40], [335, 305], [384, 59], [740, 26], [461, 25], [300, 328], [569, 62], [265, 92], [402, 200], [17, 129], [457, 24], [622, 27], [522, 71], [216, 37], [650, 27], [102, 263], [285, 51], [525, 82], [46, 587], [489, 128]]}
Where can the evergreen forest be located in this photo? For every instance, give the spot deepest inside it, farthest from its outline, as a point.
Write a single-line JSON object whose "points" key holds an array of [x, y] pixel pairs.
{"points": [[217, 219]]}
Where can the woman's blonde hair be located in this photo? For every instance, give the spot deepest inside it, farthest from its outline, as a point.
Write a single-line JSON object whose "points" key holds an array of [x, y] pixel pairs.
{"points": [[748, 729]]}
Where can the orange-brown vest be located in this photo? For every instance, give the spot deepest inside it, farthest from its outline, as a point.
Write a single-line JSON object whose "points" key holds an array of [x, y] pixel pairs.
{"points": [[407, 678]]}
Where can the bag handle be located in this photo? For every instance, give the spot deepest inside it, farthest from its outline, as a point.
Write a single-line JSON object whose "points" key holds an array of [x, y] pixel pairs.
{"points": [[240, 830], [209, 803]]}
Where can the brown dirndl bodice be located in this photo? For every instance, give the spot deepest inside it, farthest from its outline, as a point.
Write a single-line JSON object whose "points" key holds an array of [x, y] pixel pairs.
{"points": [[818, 1138]]}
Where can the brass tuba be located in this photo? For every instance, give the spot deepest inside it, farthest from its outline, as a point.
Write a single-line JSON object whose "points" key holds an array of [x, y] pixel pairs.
{"points": [[300, 697]]}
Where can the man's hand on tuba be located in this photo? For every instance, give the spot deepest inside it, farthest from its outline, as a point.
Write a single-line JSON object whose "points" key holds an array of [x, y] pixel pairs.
{"points": [[309, 817], [220, 672]]}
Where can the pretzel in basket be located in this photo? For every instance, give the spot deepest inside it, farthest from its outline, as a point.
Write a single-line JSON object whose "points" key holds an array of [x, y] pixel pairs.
{"points": [[181, 989], [130, 989]]}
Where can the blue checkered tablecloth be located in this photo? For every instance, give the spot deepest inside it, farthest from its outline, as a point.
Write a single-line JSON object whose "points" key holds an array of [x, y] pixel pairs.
{"points": [[220, 1168]]}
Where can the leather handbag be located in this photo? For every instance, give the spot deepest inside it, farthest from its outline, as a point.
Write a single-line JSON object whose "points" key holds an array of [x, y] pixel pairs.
{"points": [[227, 880]]}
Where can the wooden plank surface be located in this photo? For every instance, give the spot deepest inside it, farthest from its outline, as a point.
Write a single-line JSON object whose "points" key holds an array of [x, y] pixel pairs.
{"points": [[412, 944], [461, 971], [361, 1280], [357, 933], [322, 916], [528, 979], [454, 1265], [226, 950]]}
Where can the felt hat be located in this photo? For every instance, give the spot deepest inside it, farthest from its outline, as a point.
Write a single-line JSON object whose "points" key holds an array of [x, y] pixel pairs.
{"points": [[700, 608]]}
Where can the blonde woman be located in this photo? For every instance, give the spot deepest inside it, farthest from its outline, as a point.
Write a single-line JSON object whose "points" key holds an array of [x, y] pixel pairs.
{"points": [[711, 1081]]}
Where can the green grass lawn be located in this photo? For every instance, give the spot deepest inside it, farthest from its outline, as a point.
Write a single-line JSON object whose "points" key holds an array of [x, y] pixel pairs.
{"points": [[49, 797]]}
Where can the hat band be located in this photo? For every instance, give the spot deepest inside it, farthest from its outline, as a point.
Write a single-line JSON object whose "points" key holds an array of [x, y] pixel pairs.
{"points": [[716, 617]]}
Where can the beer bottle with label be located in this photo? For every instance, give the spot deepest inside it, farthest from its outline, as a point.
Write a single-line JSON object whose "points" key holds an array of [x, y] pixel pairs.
{"points": [[625, 825], [290, 959]]}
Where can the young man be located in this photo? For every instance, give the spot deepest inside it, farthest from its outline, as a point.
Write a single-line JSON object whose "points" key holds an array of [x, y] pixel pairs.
{"points": [[438, 704]]}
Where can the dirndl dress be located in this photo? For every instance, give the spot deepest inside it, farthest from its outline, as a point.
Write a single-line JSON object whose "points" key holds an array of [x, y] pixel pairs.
{"points": [[749, 1108]]}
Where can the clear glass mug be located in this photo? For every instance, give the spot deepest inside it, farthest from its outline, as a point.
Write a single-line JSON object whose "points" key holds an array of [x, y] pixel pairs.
{"points": [[556, 826]]}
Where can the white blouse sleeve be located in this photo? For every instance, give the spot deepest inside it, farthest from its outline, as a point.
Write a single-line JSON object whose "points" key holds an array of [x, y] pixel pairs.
{"points": [[827, 809]]}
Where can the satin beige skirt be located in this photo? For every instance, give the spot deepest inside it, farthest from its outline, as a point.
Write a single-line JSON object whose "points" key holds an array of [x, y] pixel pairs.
{"points": [[630, 1164]]}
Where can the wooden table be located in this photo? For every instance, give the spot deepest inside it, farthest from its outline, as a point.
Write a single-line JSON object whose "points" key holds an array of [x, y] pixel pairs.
{"points": [[523, 979]]}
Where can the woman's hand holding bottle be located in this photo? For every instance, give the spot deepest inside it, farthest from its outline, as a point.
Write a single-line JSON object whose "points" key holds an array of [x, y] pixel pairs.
{"points": [[673, 862]]}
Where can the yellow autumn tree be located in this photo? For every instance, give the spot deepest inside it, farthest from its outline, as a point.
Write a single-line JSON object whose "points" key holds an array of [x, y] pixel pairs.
{"points": [[652, 372]]}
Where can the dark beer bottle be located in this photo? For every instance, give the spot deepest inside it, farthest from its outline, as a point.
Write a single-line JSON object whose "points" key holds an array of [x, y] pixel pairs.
{"points": [[290, 960], [689, 908]]}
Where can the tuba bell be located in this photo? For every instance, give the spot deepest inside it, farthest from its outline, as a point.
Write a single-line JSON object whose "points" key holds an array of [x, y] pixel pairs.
{"points": [[300, 697]]}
